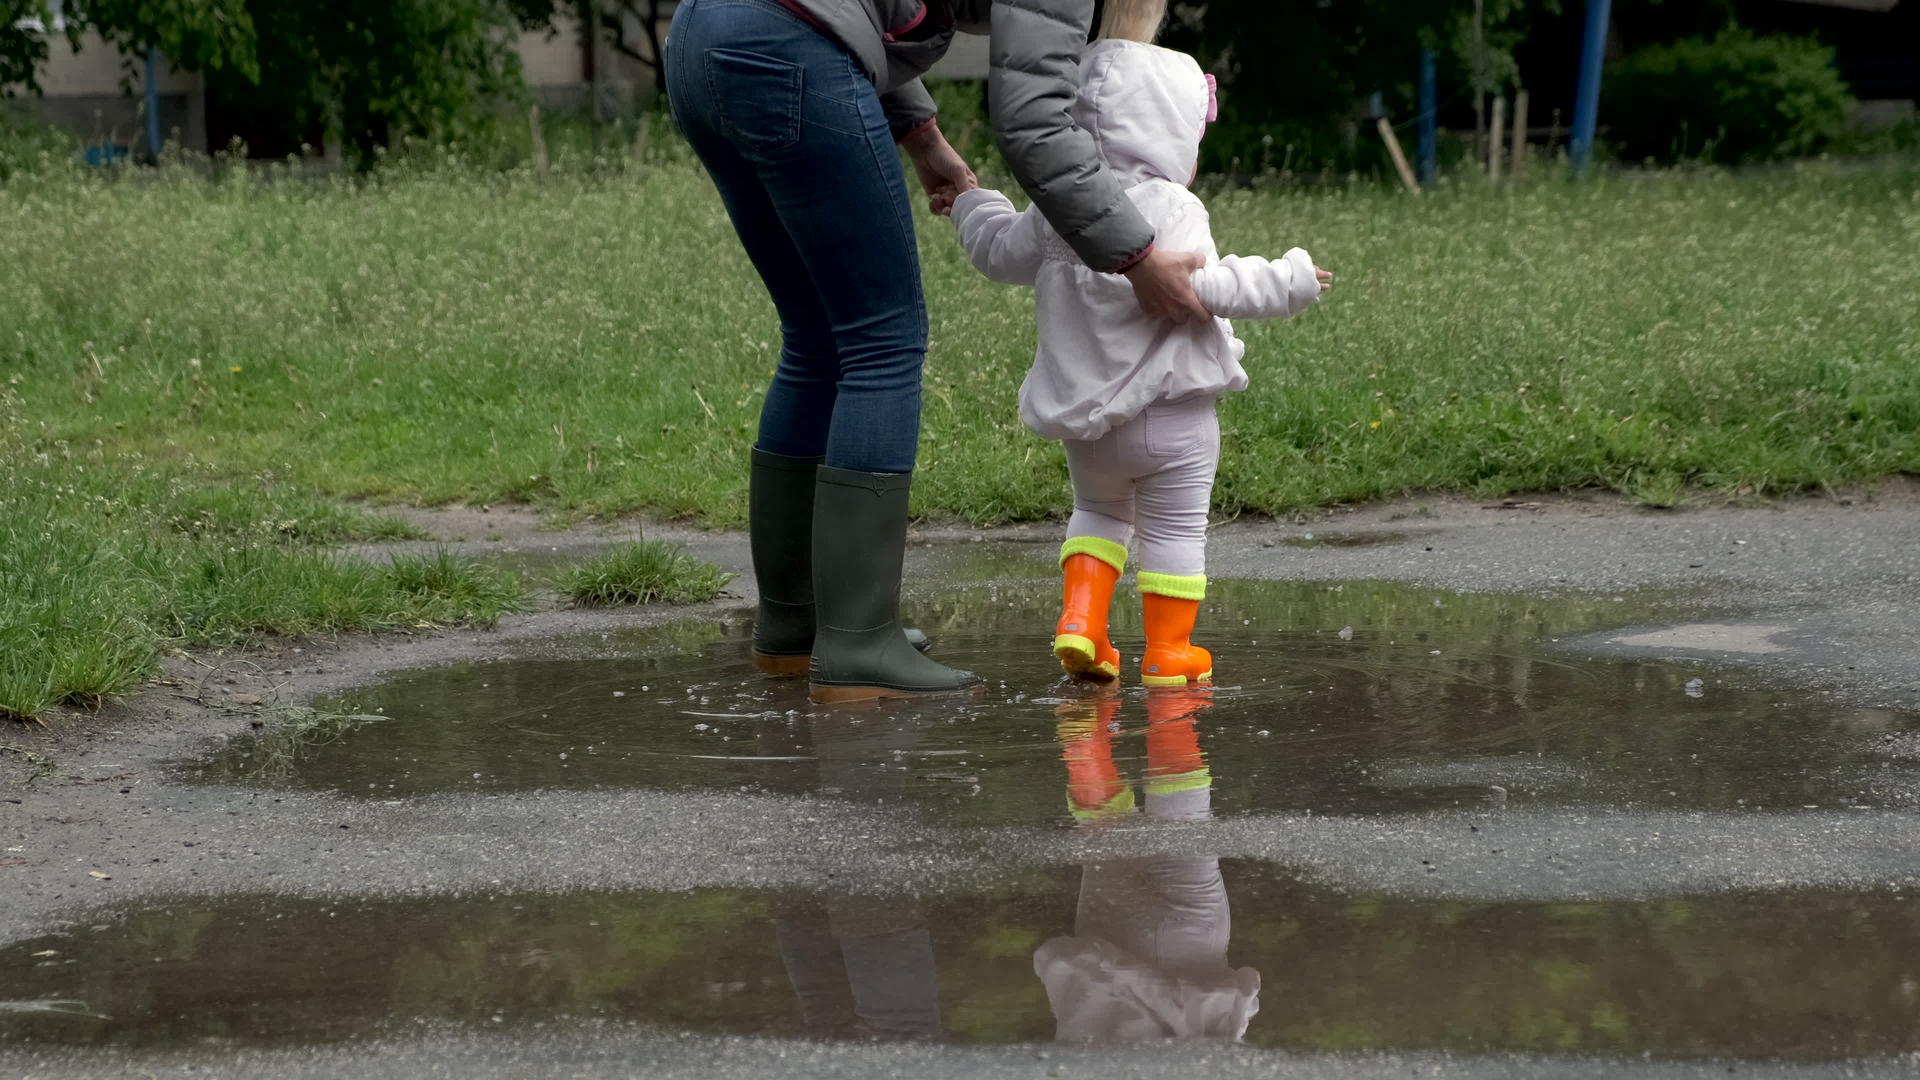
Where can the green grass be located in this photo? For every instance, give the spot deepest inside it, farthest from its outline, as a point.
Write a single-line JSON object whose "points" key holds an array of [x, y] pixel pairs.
{"points": [[108, 561], [597, 342], [642, 572], [199, 376]]}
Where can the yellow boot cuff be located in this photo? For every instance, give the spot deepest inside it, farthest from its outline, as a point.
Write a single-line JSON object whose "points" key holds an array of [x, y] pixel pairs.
{"points": [[1118, 806], [1178, 586], [1175, 783], [1114, 555]]}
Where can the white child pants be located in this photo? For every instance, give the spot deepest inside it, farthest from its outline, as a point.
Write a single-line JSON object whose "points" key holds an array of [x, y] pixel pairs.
{"points": [[1152, 476]]}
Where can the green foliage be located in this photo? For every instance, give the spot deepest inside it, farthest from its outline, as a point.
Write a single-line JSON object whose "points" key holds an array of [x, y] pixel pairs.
{"points": [[198, 35], [29, 147], [378, 70], [1735, 98], [370, 71], [642, 572], [22, 45]]}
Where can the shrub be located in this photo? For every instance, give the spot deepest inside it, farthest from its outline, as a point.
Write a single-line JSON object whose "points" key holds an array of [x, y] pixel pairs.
{"points": [[27, 146], [1736, 98]]}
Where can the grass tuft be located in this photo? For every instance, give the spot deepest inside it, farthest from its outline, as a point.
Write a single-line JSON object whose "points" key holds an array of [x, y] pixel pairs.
{"points": [[642, 572]]}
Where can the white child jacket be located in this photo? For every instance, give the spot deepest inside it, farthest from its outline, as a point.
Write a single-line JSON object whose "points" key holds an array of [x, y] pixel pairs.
{"points": [[1101, 360]]}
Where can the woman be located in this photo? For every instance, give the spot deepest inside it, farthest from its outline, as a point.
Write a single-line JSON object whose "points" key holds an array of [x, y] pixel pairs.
{"points": [[794, 107]]}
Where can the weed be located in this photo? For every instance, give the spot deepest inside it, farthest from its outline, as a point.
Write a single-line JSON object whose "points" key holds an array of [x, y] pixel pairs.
{"points": [[642, 572]]}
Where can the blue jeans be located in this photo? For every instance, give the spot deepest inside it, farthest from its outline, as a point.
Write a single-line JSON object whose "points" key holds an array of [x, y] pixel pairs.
{"points": [[791, 131]]}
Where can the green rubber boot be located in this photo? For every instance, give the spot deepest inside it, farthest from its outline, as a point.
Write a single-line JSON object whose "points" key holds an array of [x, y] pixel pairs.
{"points": [[860, 651], [780, 497], [780, 533]]}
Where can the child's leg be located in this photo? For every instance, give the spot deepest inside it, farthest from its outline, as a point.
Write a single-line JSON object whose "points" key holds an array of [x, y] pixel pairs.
{"points": [[1092, 558], [1172, 505]]}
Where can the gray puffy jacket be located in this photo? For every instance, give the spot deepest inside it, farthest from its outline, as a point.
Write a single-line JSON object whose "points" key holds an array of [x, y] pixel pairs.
{"points": [[1035, 76]]}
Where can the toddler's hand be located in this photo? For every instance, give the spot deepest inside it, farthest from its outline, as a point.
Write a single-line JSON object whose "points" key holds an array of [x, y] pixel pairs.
{"points": [[1325, 279]]}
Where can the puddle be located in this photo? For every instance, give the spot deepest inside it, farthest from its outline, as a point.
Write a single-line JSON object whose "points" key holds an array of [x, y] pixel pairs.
{"points": [[1051, 954], [1433, 700], [1345, 540], [539, 563]]}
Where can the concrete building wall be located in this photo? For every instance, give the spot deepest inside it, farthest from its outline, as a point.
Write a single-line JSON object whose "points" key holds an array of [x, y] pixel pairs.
{"points": [[553, 59], [98, 92]]}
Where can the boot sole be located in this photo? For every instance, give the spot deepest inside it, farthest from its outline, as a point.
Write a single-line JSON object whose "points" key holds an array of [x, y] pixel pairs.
{"points": [[782, 665], [842, 695], [1174, 680], [802, 663], [1079, 657]]}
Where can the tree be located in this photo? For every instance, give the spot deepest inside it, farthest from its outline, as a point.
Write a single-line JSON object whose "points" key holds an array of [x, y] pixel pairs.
{"points": [[366, 70], [24, 25], [370, 71], [201, 35]]}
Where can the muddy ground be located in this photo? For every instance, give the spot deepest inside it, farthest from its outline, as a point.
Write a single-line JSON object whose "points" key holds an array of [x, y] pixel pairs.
{"points": [[1816, 594]]}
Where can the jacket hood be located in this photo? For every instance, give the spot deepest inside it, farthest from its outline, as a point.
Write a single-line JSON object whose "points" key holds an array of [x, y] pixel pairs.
{"points": [[1146, 108]]}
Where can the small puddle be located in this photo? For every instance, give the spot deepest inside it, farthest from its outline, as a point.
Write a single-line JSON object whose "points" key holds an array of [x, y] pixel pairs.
{"points": [[1345, 540], [1343, 699], [1127, 950]]}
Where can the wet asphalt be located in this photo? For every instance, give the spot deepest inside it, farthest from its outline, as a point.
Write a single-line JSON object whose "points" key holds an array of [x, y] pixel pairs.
{"points": [[1814, 600]]}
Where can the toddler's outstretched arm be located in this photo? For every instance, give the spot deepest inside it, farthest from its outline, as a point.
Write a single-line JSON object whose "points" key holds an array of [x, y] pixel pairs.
{"points": [[1249, 287], [1002, 242]]}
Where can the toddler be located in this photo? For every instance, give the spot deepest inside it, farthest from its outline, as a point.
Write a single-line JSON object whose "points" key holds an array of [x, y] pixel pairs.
{"points": [[1131, 397]]}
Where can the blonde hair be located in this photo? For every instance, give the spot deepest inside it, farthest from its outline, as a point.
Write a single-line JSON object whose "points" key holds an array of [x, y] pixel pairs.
{"points": [[1133, 20]]}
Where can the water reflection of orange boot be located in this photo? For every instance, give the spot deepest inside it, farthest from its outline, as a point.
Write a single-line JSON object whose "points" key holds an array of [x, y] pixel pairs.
{"points": [[1172, 606], [1095, 790], [1179, 784], [1091, 567]]}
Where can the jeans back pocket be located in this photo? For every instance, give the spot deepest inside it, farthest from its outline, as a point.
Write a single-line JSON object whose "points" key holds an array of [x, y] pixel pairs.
{"points": [[757, 98]]}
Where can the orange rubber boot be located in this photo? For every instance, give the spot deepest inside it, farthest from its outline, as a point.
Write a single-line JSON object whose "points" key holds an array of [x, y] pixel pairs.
{"points": [[1091, 567], [1172, 604], [1173, 737], [1179, 785], [1095, 788]]}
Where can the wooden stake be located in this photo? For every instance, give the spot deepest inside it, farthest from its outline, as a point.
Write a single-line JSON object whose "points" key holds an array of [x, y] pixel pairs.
{"points": [[1517, 153], [1399, 158], [1495, 132], [539, 139]]}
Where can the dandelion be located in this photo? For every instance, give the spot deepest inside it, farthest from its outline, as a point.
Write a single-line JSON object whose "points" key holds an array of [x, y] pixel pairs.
{"points": [[235, 369]]}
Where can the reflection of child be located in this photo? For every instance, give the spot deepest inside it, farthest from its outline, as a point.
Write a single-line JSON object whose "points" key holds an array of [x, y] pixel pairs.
{"points": [[1130, 396], [1148, 955]]}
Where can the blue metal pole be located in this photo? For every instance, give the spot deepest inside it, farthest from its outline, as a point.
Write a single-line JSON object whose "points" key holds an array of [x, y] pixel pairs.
{"points": [[153, 104], [1429, 106], [1586, 106]]}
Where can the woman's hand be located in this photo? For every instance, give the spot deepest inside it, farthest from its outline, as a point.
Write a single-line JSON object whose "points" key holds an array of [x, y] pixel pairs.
{"points": [[942, 173], [1163, 284], [1325, 279]]}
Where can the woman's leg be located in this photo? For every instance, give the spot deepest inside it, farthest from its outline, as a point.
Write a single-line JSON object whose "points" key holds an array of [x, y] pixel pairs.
{"points": [[800, 148], [798, 411], [797, 129]]}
